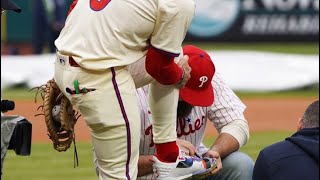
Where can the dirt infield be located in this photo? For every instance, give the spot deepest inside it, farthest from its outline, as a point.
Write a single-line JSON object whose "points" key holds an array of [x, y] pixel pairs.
{"points": [[262, 115]]}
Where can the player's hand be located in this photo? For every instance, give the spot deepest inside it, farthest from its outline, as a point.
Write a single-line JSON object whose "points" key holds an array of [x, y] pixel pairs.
{"points": [[186, 145], [183, 63], [216, 155]]}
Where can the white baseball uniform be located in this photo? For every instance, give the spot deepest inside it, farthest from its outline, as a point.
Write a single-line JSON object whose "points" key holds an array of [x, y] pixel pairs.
{"points": [[102, 37], [226, 110]]}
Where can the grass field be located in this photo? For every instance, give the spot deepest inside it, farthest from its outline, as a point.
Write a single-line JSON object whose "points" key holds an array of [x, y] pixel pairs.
{"points": [[22, 93], [47, 164]]}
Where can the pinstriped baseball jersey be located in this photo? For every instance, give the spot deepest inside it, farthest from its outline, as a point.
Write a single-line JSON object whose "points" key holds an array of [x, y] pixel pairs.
{"points": [[101, 36], [226, 108]]}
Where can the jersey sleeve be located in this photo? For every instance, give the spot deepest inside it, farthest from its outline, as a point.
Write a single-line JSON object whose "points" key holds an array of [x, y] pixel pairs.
{"points": [[172, 22], [227, 107]]}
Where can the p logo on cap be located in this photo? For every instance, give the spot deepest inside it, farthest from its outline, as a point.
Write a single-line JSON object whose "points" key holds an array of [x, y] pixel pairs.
{"points": [[203, 79], [198, 90]]}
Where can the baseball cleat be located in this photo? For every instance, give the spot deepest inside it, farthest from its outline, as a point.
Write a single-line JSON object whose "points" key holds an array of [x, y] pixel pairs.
{"points": [[186, 167], [202, 174]]}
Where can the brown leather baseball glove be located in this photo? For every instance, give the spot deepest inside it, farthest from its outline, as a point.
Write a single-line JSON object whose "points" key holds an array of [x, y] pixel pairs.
{"points": [[59, 115]]}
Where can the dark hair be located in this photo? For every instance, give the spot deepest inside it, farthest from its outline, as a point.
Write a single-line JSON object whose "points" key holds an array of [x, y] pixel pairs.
{"points": [[184, 109], [310, 117]]}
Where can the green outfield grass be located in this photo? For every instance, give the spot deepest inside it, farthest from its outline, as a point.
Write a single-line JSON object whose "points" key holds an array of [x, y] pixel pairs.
{"points": [[22, 93], [19, 93], [311, 92], [257, 141], [47, 164]]}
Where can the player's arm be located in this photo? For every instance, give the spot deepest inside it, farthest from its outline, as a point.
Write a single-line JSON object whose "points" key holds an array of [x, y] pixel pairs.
{"points": [[231, 137], [145, 165], [225, 144], [229, 140], [227, 115], [161, 66], [171, 24]]}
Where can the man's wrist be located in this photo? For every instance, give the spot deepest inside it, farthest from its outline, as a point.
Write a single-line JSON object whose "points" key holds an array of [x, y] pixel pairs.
{"points": [[214, 149]]}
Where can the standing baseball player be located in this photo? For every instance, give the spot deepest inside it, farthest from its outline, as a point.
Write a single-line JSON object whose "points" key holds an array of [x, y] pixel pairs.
{"points": [[99, 40], [202, 98]]}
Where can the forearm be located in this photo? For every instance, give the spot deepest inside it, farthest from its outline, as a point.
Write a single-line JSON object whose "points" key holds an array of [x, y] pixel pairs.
{"points": [[239, 129], [144, 165], [232, 136], [161, 66], [225, 144]]}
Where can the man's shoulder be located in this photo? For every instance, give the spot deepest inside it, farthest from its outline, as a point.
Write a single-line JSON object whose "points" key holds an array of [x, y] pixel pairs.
{"points": [[285, 160], [277, 148], [280, 151]]}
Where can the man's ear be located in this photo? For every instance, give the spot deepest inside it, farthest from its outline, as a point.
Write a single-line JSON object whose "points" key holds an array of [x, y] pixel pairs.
{"points": [[300, 124]]}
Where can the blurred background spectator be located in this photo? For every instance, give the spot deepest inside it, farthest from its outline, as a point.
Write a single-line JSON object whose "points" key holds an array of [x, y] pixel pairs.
{"points": [[48, 20], [40, 23]]}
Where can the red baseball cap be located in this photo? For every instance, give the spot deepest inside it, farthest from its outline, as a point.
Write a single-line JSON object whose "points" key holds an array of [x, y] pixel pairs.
{"points": [[198, 91]]}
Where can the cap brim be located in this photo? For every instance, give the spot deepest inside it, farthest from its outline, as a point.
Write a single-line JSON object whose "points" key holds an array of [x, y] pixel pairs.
{"points": [[202, 98], [9, 5]]}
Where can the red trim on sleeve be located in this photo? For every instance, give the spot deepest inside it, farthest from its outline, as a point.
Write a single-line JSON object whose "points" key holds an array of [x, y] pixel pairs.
{"points": [[72, 6], [161, 66]]}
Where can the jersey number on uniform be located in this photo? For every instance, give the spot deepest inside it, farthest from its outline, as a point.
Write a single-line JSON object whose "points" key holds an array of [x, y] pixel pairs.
{"points": [[98, 5]]}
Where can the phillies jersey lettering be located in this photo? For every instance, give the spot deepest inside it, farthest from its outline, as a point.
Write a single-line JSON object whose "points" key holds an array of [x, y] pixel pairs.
{"points": [[185, 127], [226, 108]]}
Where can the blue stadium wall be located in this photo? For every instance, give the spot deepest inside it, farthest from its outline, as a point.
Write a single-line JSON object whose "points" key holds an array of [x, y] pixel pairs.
{"points": [[219, 20]]}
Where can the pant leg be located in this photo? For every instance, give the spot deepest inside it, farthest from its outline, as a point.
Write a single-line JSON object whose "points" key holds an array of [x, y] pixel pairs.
{"points": [[163, 101], [236, 166], [111, 113], [163, 105]]}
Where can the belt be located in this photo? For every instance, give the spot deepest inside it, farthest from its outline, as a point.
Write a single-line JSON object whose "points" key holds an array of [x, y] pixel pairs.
{"points": [[72, 62]]}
